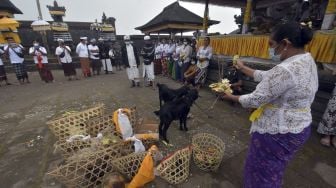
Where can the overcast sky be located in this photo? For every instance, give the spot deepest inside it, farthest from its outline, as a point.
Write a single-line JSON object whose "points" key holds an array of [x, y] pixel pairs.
{"points": [[128, 13]]}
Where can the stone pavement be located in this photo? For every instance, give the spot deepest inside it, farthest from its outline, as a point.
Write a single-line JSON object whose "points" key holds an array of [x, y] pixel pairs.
{"points": [[25, 109]]}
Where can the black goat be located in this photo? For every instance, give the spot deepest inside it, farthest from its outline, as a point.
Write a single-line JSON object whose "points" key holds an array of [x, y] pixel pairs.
{"points": [[167, 94], [176, 110]]}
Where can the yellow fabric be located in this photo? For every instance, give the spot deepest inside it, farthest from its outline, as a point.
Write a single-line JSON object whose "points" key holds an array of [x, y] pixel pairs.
{"points": [[256, 114], [146, 171], [4, 35], [247, 16], [56, 28], [57, 12], [115, 117], [322, 47], [147, 136], [8, 22], [331, 8]]}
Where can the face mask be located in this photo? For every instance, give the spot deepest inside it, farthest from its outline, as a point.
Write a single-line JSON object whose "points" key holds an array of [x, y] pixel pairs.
{"points": [[273, 56], [36, 44], [185, 43]]}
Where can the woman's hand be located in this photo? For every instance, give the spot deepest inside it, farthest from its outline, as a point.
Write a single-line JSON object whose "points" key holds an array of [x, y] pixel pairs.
{"points": [[239, 65]]}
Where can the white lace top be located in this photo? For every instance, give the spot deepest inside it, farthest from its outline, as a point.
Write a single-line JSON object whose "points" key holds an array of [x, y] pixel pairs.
{"points": [[290, 87]]}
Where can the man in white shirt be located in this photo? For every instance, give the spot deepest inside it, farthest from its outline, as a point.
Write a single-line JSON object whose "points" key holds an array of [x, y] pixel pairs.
{"points": [[63, 54], [41, 61], [16, 57], [83, 54], [3, 75], [94, 56], [131, 60], [176, 56]]}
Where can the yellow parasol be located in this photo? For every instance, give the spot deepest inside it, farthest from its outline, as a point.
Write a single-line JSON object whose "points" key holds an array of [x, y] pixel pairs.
{"points": [[6, 23]]}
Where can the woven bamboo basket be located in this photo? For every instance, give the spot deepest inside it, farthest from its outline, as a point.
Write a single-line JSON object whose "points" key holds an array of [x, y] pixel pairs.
{"points": [[175, 169], [133, 118], [129, 165], [208, 151], [110, 137], [74, 124], [97, 124], [69, 148], [87, 169]]}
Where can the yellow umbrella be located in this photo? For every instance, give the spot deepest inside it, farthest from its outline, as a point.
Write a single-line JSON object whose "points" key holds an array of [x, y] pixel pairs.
{"points": [[8, 23]]}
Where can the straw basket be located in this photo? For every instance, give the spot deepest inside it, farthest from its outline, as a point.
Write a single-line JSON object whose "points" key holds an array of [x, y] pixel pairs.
{"points": [[133, 117], [208, 151], [73, 124], [87, 169], [69, 148], [175, 168], [97, 124], [129, 165]]}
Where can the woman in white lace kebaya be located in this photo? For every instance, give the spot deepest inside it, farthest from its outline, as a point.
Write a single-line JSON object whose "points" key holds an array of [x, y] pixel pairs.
{"points": [[281, 123]]}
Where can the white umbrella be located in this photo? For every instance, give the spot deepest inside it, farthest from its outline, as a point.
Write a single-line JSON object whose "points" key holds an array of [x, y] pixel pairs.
{"points": [[40, 25]]}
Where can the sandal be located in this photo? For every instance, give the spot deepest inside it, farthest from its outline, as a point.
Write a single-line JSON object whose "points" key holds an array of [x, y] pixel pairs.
{"points": [[326, 141]]}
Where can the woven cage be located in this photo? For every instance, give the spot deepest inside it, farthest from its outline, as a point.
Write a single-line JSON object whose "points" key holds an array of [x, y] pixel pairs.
{"points": [[69, 148], [129, 165], [208, 151], [98, 124], [89, 170], [149, 142], [74, 124], [175, 169], [133, 118]]}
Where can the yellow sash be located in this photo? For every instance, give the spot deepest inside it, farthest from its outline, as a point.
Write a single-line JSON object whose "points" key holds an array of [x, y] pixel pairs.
{"points": [[256, 114]]}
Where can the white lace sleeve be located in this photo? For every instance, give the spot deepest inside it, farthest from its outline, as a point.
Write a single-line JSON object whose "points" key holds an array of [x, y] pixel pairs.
{"points": [[258, 75], [274, 83]]}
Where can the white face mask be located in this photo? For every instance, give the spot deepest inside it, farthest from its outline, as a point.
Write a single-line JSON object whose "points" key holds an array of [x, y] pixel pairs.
{"points": [[273, 56], [185, 43], [36, 44]]}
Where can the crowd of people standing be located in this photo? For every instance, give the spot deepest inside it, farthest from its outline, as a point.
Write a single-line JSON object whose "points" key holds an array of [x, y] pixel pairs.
{"points": [[93, 56], [182, 60]]}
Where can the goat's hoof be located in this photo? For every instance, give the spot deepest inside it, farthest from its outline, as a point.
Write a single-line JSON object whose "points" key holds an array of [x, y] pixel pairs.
{"points": [[186, 129], [181, 129]]}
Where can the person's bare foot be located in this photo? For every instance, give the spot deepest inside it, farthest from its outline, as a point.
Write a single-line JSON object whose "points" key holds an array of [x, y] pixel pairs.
{"points": [[325, 140]]}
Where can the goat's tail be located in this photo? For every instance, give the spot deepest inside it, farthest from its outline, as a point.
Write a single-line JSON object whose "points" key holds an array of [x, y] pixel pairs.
{"points": [[157, 112]]}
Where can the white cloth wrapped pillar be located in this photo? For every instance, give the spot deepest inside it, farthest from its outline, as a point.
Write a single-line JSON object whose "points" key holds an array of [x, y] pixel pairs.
{"points": [[247, 16], [330, 15]]}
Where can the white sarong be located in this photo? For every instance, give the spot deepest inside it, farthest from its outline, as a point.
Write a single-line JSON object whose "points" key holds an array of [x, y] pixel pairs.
{"points": [[107, 65], [133, 73], [148, 72]]}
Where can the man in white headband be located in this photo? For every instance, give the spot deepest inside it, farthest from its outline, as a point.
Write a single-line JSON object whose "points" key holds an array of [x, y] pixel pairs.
{"points": [[83, 54], [148, 53], [63, 54], [131, 61]]}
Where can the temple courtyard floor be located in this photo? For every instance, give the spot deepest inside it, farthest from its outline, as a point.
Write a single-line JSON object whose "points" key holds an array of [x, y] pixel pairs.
{"points": [[26, 144]]}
